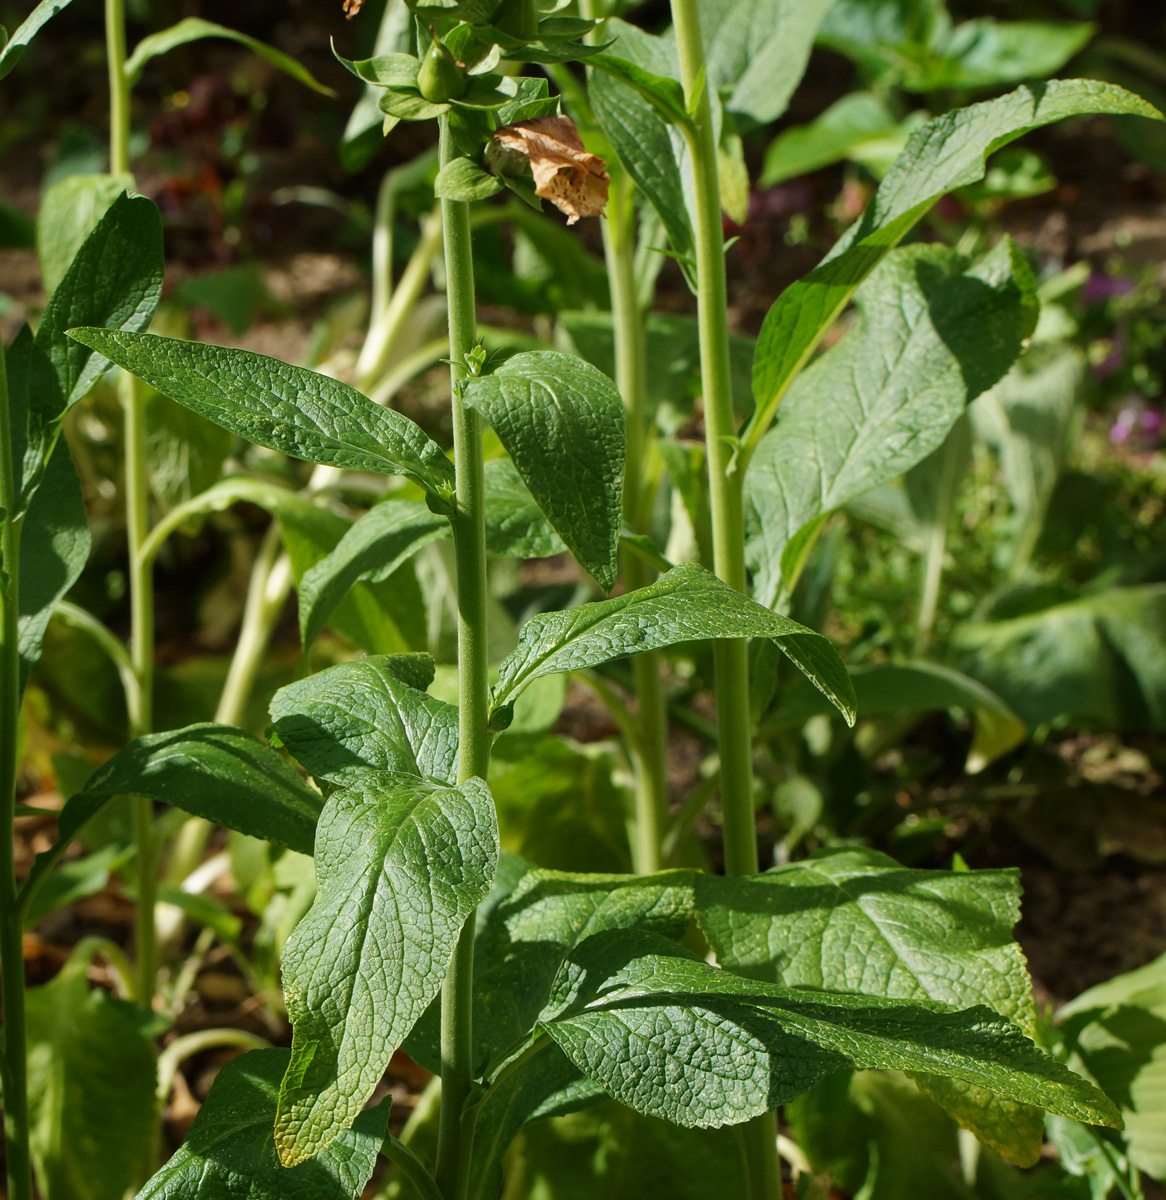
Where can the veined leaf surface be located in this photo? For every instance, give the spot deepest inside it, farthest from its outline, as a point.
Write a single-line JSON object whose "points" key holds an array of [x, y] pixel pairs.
{"points": [[948, 152], [289, 409], [562, 422], [230, 1151], [686, 604], [364, 714], [400, 864]]}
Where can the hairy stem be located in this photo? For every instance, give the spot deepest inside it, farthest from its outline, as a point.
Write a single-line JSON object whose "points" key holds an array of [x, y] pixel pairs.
{"points": [[728, 524], [469, 530], [14, 1063]]}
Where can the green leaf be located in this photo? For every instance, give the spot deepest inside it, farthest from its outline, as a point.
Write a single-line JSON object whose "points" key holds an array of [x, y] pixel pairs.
{"points": [[185, 452], [515, 525], [562, 422], [114, 281], [194, 29], [615, 1153], [219, 773], [640, 137], [54, 547], [91, 1080], [674, 1037], [1099, 658], [898, 689], [13, 48], [948, 152], [374, 547], [1119, 1031], [687, 604], [462, 179], [229, 1150], [857, 921], [400, 864], [367, 714], [848, 124], [930, 338], [68, 212], [663, 93], [289, 409], [758, 50]]}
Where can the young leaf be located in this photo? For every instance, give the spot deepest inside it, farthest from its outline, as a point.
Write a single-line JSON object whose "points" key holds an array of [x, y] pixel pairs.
{"points": [[230, 1146], [193, 29], [400, 864], [858, 921], [885, 396], [674, 1037], [373, 548], [515, 525], [664, 94], [13, 48], [54, 544], [462, 179], [91, 1084], [367, 714], [563, 423], [948, 152], [219, 773], [687, 604], [289, 409], [68, 213]]}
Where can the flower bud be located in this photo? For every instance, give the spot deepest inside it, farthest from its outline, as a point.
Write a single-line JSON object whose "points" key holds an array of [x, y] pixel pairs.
{"points": [[440, 79]]}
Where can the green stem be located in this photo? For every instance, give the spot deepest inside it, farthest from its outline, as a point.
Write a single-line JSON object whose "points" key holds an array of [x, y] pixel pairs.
{"points": [[631, 377], [14, 1064], [728, 523], [119, 87], [137, 530], [469, 531]]}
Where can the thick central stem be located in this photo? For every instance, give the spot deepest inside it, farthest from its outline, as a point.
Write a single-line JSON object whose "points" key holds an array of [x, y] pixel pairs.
{"points": [[14, 1064], [734, 731], [469, 530]]}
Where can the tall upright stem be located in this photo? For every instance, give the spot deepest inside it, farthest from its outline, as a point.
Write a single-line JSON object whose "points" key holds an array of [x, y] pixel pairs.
{"points": [[14, 1063], [141, 706], [469, 531], [631, 376], [734, 729]]}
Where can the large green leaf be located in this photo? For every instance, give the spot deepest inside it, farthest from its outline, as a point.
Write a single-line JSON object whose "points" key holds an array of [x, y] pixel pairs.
{"points": [[373, 548], [930, 338], [13, 48], [857, 921], [219, 773], [673, 1037], [1101, 658], [193, 29], [686, 604], [54, 547], [285, 408], [562, 422], [114, 282], [757, 51], [400, 864], [91, 1081], [68, 212], [1119, 1030], [230, 1151], [948, 152], [368, 713]]}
